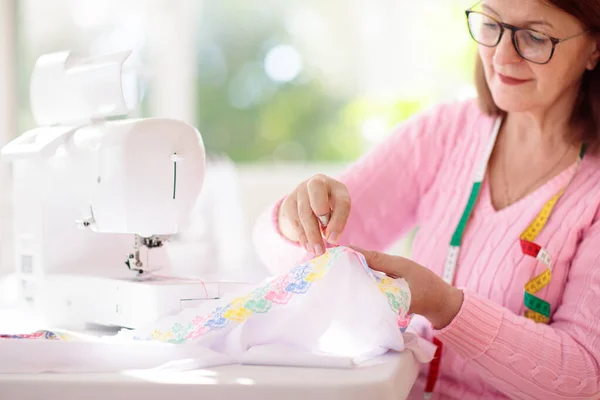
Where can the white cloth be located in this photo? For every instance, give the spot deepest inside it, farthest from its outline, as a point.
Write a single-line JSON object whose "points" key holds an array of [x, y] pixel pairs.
{"points": [[332, 311]]}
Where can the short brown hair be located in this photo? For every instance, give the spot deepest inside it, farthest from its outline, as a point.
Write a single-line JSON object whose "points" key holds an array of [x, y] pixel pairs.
{"points": [[587, 108]]}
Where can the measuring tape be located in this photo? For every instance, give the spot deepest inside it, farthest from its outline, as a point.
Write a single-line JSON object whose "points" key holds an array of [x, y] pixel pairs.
{"points": [[537, 309]]}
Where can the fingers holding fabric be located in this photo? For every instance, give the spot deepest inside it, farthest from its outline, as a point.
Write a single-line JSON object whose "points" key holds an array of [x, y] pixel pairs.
{"points": [[314, 212]]}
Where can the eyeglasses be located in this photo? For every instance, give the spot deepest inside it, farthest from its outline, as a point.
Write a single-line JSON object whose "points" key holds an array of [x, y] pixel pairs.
{"points": [[531, 45]]}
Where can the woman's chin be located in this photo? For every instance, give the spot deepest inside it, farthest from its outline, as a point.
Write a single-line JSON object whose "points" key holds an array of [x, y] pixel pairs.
{"points": [[512, 103]]}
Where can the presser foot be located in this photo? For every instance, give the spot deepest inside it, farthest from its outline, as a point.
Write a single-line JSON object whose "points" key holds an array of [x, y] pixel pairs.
{"points": [[133, 260]]}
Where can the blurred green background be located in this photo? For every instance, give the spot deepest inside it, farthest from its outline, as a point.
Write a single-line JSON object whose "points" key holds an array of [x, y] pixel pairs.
{"points": [[277, 81]]}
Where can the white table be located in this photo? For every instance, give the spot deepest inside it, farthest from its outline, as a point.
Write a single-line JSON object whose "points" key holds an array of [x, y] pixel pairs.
{"points": [[390, 377], [387, 377]]}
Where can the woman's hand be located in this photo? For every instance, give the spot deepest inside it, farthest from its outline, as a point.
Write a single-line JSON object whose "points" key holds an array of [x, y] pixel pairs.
{"points": [[431, 297], [317, 208]]}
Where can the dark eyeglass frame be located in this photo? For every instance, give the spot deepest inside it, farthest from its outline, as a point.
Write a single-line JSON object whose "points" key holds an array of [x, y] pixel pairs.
{"points": [[514, 29]]}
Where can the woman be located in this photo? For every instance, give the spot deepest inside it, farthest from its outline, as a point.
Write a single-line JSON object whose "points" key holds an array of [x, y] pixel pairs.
{"points": [[506, 194]]}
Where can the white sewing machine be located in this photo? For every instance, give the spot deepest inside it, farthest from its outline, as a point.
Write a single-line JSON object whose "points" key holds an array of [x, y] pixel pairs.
{"points": [[96, 200]]}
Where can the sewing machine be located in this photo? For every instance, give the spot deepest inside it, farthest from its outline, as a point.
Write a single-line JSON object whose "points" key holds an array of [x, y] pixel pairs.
{"points": [[98, 197]]}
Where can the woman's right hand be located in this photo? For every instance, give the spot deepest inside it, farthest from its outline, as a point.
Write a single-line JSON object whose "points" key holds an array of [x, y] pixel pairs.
{"points": [[318, 208]]}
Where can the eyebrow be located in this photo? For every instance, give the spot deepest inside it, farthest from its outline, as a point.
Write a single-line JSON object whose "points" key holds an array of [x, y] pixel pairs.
{"points": [[528, 23]]}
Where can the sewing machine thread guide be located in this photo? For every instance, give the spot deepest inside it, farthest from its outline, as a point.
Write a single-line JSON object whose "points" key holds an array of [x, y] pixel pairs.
{"points": [[174, 178], [175, 158]]}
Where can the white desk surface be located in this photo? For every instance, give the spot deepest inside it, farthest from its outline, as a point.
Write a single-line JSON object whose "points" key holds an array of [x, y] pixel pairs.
{"points": [[391, 377], [388, 377]]}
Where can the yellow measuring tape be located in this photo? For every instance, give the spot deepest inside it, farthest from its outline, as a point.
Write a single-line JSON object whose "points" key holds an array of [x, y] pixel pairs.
{"points": [[536, 308], [539, 222]]}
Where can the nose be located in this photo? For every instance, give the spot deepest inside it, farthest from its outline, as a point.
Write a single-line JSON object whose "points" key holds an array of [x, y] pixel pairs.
{"points": [[505, 52]]}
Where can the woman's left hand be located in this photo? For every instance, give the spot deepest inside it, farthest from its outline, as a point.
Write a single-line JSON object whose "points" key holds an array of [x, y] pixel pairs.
{"points": [[431, 296]]}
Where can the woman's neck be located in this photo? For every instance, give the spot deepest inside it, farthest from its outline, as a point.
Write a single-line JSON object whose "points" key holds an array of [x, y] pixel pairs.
{"points": [[533, 131], [544, 129], [533, 147]]}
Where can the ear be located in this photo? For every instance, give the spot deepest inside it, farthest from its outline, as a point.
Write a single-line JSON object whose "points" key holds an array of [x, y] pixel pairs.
{"points": [[595, 56]]}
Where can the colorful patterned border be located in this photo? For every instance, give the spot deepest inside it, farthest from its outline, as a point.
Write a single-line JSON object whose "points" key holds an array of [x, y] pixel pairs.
{"points": [[37, 335], [278, 291]]}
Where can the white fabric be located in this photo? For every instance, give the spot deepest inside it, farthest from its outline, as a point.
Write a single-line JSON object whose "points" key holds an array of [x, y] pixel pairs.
{"points": [[337, 315]]}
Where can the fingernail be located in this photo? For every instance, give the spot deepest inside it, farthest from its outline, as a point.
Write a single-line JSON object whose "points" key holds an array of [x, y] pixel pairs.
{"points": [[324, 219], [318, 249], [305, 245], [332, 237]]}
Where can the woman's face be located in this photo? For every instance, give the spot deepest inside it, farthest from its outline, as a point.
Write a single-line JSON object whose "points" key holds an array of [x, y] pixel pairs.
{"points": [[518, 85]]}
